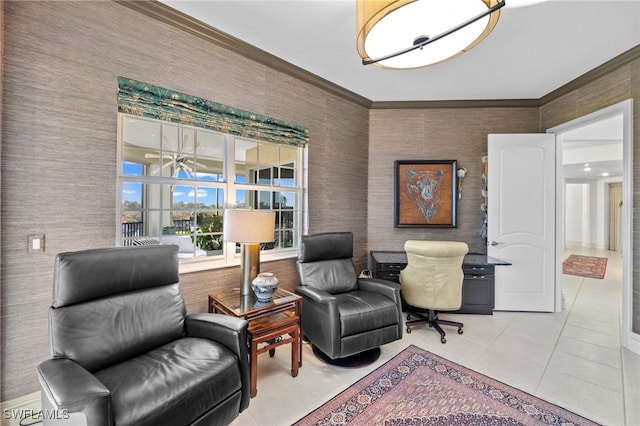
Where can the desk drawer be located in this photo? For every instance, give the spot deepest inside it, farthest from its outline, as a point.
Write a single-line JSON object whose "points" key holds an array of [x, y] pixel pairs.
{"points": [[478, 295], [391, 266], [478, 269], [389, 275]]}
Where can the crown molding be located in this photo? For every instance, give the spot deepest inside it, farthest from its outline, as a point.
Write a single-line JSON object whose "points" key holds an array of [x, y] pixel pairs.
{"points": [[475, 103], [168, 15], [177, 19], [590, 76], [586, 78]]}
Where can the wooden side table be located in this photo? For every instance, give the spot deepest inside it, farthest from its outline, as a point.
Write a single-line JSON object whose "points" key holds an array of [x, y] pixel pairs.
{"points": [[271, 324]]}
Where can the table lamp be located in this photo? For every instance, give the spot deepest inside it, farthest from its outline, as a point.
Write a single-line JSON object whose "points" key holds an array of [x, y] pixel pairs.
{"points": [[249, 228]]}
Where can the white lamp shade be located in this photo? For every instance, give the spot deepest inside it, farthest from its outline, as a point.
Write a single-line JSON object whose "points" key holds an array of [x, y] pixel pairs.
{"points": [[249, 226]]}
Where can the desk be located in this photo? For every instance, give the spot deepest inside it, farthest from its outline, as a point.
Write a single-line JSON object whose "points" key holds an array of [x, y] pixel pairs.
{"points": [[271, 324], [478, 288]]}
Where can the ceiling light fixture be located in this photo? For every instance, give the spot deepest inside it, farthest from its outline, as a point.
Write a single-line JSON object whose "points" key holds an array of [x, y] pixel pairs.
{"points": [[404, 34], [524, 3]]}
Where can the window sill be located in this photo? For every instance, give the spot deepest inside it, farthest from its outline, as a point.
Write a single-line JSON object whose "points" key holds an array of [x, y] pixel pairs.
{"points": [[199, 265]]}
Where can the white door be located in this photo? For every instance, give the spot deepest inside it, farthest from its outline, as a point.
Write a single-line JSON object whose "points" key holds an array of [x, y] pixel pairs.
{"points": [[521, 220]]}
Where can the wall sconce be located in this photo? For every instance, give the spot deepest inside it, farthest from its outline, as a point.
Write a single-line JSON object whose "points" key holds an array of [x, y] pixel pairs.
{"points": [[461, 173], [250, 228]]}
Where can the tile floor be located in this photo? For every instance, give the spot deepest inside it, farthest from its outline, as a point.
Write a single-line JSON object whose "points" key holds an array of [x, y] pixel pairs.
{"points": [[572, 359]]}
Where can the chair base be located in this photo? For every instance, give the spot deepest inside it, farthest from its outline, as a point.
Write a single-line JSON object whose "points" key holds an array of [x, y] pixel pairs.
{"points": [[358, 360], [433, 321]]}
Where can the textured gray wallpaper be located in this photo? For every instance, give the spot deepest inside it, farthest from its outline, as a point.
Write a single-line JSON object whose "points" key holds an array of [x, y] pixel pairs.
{"points": [[58, 149], [435, 134], [59, 167]]}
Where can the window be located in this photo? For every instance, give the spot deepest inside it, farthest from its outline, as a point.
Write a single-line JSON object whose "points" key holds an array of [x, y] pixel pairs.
{"points": [[176, 180]]}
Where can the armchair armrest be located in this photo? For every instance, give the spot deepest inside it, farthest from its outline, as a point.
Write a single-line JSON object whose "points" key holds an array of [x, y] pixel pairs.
{"points": [[231, 332], [384, 287], [320, 319], [315, 294], [228, 330], [68, 386]]}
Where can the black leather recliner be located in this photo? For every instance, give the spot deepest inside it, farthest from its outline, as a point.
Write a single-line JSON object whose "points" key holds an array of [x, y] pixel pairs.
{"points": [[124, 351], [343, 315]]}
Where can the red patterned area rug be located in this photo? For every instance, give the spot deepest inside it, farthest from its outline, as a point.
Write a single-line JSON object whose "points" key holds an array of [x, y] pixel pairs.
{"points": [[585, 266], [417, 387]]}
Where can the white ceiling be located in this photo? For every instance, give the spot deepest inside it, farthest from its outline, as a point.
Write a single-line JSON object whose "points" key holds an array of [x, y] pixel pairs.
{"points": [[590, 151], [532, 51]]}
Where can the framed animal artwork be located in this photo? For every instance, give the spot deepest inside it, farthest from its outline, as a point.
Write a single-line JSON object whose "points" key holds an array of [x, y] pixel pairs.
{"points": [[425, 193]]}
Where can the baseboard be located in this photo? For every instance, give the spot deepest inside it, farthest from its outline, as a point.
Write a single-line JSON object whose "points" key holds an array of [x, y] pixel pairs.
{"points": [[22, 401], [632, 342], [579, 245], [574, 245], [21, 404]]}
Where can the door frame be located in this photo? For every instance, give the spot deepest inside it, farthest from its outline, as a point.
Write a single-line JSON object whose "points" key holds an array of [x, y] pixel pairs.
{"points": [[617, 231], [630, 340]]}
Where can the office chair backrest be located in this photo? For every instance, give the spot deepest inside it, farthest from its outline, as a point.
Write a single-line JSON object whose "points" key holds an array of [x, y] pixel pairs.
{"points": [[433, 276], [325, 262], [113, 304]]}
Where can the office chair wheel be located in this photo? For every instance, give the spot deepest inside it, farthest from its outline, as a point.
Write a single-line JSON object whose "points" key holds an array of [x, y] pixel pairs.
{"points": [[443, 340], [408, 330], [460, 331], [408, 317]]}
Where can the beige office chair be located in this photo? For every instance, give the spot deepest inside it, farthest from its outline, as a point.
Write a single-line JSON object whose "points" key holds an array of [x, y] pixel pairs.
{"points": [[432, 282]]}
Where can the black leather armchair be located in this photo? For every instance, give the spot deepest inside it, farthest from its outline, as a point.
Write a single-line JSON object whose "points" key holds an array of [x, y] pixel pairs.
{"points": [[124, 351], [343, 315]]}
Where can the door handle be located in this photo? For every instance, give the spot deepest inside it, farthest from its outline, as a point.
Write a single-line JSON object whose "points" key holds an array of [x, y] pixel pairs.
{"points": [[495, 243]]}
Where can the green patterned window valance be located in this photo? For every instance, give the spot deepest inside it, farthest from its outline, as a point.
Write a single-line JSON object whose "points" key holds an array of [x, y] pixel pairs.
{"points": [[146, 100]]}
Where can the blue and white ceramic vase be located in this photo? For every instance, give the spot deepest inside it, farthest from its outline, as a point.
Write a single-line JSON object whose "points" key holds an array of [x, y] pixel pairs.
{"points": [[264, 285]]}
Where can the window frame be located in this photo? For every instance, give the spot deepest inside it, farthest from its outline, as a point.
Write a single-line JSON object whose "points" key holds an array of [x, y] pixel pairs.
{"points": [[229, 257]]}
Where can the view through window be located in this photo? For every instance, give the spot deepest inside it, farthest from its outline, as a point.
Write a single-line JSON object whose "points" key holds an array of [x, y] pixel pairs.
{"points": [[176, 181]]}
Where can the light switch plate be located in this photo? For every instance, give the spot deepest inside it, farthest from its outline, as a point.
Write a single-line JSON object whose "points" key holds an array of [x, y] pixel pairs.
{"points": [[35, 243]]}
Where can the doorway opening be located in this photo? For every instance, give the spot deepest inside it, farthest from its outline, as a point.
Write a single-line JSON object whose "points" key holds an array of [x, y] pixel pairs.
{"points": [[593, 142], [592, 161]]}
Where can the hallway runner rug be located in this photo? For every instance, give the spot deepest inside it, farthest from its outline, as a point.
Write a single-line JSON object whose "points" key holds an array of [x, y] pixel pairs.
{"points": [[417, 387], [585, 266]]}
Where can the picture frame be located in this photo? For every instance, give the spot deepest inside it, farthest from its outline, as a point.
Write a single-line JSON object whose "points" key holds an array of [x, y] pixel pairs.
{"points": [[425, 193]]}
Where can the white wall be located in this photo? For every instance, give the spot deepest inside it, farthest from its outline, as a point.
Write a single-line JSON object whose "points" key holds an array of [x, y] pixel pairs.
{"points": [[586, 218], [577, 218]]}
